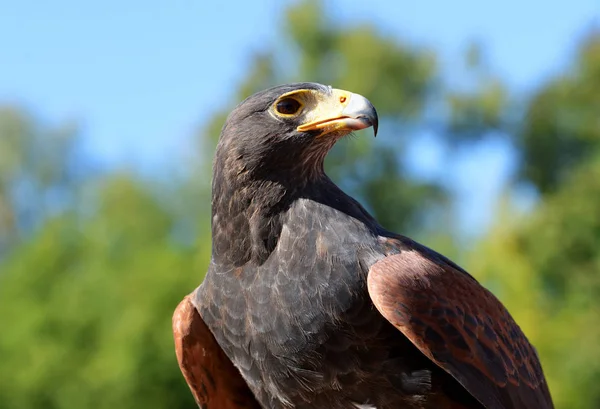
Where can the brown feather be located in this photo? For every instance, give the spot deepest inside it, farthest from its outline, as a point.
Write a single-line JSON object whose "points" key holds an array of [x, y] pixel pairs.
{"points": [[212, 378], [460, 326]]}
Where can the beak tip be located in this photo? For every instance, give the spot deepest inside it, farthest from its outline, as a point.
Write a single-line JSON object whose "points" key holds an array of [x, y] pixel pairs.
{"points": [[371, 114]]}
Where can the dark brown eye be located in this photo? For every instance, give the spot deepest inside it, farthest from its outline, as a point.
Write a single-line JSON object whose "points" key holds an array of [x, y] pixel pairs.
{"points": [[288, 106]]}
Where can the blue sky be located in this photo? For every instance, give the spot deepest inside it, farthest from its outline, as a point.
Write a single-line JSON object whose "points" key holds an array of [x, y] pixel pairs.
{"points": [[142, 75]]}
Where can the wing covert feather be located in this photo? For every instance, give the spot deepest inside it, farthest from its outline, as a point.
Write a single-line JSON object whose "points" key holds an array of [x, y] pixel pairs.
{"points": [[461, 327], [211, 376]]}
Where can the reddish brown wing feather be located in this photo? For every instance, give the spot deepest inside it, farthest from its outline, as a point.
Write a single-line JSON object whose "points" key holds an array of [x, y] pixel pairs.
{"points": [[212, 378], [461, 327]]}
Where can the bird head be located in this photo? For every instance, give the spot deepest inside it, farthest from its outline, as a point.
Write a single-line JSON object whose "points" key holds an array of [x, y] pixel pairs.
{"points": [[290, 128], [270, 153]]}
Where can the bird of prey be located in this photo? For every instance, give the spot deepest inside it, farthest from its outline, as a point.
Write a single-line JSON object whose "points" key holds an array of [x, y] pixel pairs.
{"points": [[309, 303]]}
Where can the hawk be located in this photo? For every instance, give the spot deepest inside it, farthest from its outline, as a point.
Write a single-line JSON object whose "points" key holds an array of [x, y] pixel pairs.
{"points": [[309, 303]]}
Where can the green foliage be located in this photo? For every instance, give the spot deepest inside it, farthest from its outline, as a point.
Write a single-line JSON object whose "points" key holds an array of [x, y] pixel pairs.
{"points": [[480, 105], [87, 305], [478, 111], [35, 166], [92, 268], [561, 126]]}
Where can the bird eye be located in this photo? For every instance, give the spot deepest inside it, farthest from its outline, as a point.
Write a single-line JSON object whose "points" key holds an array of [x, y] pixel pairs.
{"points": [[288, 106]]}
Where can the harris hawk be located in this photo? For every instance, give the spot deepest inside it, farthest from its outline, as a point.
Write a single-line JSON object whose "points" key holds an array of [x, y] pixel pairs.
{"points": [[309, 303]]}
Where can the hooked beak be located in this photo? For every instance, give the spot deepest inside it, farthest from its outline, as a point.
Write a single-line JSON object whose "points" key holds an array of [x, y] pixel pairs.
{"points": [[342, 111]]}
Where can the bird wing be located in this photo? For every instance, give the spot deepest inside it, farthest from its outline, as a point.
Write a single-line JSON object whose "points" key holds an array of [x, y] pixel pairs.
{"points": [[460, 326], [211, 376]]}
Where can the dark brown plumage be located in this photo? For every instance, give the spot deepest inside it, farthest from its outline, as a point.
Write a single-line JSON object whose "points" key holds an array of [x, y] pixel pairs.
{"points": [[309, 303]]}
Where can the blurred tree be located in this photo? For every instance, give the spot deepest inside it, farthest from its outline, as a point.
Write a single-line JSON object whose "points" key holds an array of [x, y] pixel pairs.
{"points": [[87, 306], [39, 173], [562, 122]]}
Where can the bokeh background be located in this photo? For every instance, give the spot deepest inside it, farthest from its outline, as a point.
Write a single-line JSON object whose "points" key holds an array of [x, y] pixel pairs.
{"points": [[489, 151]]}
